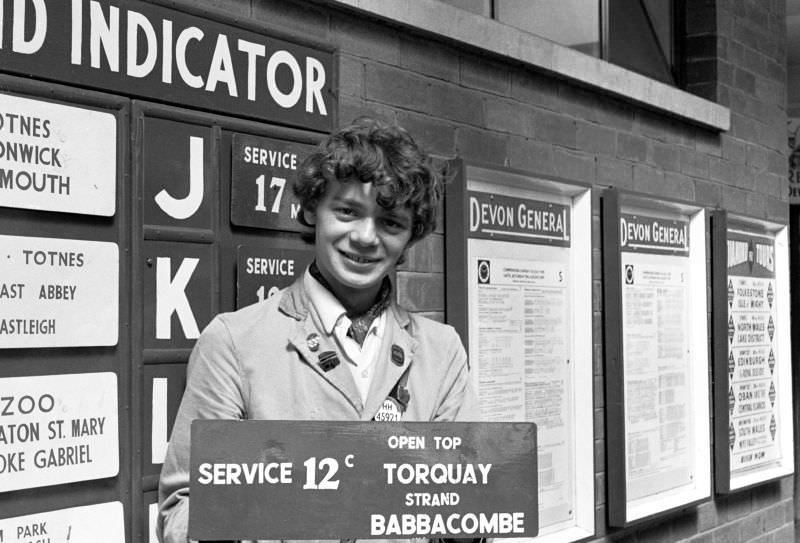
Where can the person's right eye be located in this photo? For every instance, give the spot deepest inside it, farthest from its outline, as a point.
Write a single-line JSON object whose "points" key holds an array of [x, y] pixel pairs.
{"points": [[345, 211]]}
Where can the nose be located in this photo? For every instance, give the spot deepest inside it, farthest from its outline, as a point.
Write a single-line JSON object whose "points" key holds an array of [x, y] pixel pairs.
{"points": [[364, 232]]}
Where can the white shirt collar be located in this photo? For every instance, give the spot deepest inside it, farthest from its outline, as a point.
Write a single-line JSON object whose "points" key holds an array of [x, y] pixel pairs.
{"points": [[330, 310]]}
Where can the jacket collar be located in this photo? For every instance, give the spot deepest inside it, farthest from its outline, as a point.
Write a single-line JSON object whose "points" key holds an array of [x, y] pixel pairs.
{"points": [[295, 303], [398, 335]]}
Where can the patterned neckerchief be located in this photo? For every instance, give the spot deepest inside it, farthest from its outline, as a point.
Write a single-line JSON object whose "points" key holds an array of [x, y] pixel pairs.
{"points": [[359, 322]]}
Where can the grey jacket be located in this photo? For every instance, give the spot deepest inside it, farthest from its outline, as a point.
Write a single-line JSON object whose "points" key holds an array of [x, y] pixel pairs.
{"points": [[261, 362]]}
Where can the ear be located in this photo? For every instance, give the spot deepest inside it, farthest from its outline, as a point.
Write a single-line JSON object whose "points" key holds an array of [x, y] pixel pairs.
{"points": [[310, 217]]}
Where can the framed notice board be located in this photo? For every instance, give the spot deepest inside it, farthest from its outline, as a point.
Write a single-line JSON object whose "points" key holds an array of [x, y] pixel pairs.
{"points": [[519, 293], [656, 356], [752, 359]]}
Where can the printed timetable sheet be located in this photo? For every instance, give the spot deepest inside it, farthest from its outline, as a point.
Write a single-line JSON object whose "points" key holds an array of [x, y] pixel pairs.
{"points": [[521, 333], [657, 374]]}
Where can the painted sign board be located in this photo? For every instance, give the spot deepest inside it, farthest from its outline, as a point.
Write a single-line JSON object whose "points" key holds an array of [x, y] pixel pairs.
{"points": [[58, 429], [509, 218], [99, 522], [263, 171], [58, 292], [653, 234], [45, 163], [261, 272], [317, 480], [137, 48]]}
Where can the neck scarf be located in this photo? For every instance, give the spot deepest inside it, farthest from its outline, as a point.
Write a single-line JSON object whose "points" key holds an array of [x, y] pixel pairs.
{"points": [[360, 322]]}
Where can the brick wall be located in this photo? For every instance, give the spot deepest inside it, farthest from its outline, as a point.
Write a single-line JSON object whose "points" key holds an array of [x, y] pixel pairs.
{"points": [[457, 101], [741, 44]]}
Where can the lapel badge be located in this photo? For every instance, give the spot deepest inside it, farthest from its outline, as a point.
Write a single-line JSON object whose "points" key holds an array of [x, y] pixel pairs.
{"points": [[398, 356], [390, 411], [328, 360], [312, 341]]}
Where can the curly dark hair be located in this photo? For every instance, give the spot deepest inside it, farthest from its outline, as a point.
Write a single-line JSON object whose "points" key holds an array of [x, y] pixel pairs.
{"points": [[372, 151]]}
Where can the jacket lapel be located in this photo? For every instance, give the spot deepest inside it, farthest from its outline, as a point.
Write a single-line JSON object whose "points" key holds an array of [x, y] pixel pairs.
{"points": [[309, 333], [397, 343]]}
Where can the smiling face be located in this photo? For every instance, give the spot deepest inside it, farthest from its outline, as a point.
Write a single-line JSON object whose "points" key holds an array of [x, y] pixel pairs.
{"points": [[358, 242]]}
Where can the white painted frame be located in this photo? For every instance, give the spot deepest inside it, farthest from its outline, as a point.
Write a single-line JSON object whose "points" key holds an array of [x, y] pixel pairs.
{"points": [[580, 260], [783, 366], [700, 489]]}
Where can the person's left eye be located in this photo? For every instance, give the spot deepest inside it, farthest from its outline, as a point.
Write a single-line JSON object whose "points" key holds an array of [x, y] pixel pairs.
{"points": [[394, 225]]}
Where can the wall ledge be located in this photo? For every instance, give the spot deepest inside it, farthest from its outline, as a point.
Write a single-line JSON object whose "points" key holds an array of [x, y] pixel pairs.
{"points": [[468, 28]]}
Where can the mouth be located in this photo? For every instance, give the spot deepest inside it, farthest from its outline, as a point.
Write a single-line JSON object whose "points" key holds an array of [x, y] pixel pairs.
{"points": [[358, 259]]}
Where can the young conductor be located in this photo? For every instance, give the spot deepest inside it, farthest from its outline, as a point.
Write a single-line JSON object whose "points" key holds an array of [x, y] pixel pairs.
{"points": [[334, 345]]}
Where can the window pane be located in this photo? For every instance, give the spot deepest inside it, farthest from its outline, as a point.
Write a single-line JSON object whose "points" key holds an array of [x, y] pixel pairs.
{"points": [[660, 13], [640, 38], [574, 23]]}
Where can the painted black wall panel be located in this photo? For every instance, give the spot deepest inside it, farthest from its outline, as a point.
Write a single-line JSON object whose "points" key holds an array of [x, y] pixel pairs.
{"points": [[181, 275], [154, 156], [34, 361], [145, 527], [208, 236], [163, 386], [179, 175]]}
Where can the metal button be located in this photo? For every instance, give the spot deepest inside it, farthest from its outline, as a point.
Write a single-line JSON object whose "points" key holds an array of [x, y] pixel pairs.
{"points": [[398, 355], [328, 360], [313, 342]]}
